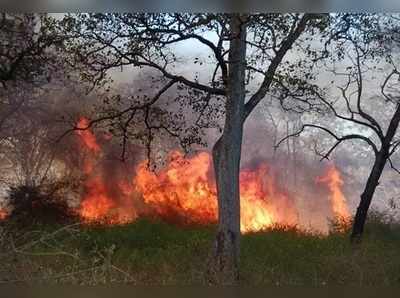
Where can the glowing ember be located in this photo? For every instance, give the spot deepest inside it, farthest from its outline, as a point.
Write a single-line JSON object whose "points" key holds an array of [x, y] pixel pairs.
{"points": [[3, 214], [334, 182]]}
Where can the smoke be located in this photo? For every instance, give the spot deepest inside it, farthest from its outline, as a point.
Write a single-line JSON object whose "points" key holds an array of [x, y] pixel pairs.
{"points": [[288, 186], [292, 172], [294, 165]]}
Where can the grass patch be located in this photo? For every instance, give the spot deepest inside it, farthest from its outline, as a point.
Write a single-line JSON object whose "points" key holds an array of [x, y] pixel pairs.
{"points": [[156, 253]]}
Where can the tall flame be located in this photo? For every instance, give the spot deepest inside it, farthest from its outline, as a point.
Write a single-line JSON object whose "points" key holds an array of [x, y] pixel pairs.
{"points": [[334, 182], [98, 202]]}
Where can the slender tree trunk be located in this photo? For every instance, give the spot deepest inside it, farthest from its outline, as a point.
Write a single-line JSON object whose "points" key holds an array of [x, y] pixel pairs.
{"points": [[287, 160], [226, 155], [366, 197], [294, 150], [373, 180]]}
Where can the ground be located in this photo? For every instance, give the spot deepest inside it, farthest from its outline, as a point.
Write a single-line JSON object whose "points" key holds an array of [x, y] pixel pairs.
{"points": [[156, 253]]}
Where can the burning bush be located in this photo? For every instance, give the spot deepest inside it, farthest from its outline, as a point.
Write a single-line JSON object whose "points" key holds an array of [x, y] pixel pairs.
{"points": [[340, 225], [34, 204]]}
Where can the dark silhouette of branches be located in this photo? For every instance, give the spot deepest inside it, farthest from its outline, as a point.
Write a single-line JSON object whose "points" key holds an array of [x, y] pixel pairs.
{"points": [[361, 55]]}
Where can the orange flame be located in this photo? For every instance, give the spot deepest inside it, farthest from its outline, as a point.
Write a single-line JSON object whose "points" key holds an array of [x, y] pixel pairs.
{"points": [[334, 182], [98, 204], [181, 188], [86, 135], [185, 190], [185, 187], [255, 213]]}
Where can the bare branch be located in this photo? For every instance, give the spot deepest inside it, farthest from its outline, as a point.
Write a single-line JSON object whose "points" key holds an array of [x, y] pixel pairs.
{"points": [[331, 107], [387, 96], [394, 147], [393, 166], [362, 113], [131, 110], [338, 139], [286, 44]]}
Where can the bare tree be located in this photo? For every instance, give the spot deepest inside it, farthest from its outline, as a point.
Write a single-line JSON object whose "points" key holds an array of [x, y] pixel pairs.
{"points": [[362, 61]]}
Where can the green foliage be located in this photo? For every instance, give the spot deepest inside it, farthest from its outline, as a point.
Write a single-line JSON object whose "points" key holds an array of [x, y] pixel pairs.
{"points": [[155, 253]]}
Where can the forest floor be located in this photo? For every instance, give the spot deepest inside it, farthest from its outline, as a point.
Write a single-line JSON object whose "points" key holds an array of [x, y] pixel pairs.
{"points": [[156, 253]]}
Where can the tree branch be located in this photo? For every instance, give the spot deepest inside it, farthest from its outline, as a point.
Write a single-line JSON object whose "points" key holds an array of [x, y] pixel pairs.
{"points": [[286, 44], [338, 139]]}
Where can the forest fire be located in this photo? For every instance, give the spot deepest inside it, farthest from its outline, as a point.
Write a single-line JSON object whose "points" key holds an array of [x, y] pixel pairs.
{"points": [[334, 182], [86, 136], [99, 201], [186, 187], [184, 190]]}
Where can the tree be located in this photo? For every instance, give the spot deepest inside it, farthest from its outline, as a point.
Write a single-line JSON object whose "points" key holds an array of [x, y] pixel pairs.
{"points": [[25, 48], [361, 45], [31, 67], [243, 49], [28, 62]]}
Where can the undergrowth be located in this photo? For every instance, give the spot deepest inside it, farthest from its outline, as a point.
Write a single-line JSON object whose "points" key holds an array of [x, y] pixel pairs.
{"points": [[155, 253]]}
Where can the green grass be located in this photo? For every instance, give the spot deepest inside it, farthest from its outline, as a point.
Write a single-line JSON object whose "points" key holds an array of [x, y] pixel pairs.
{"points": [[156, 253]]}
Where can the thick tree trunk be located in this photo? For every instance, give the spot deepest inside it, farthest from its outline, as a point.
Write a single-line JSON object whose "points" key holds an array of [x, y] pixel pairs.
{"points": [[226, 156]]}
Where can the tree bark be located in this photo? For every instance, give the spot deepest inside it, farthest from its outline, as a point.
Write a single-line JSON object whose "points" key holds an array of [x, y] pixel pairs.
{"points": [[373, 180], [226, 157], [366, 197]]}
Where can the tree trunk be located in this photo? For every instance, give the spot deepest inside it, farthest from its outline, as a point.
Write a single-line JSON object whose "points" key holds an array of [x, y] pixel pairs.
{"points": [[366, 197], [373, 180], [226, 157]]}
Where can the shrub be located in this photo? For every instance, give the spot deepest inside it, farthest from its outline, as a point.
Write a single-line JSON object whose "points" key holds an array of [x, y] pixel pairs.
{"points": [[33, 204]]}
